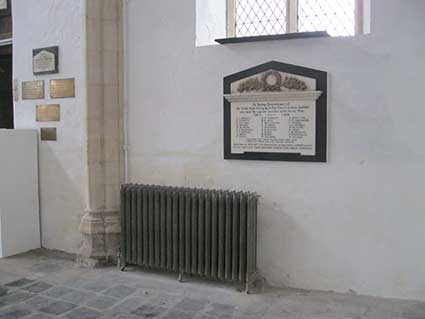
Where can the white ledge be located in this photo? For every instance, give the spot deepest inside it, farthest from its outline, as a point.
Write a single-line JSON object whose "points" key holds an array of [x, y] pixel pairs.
{"points": [[274, 96]]}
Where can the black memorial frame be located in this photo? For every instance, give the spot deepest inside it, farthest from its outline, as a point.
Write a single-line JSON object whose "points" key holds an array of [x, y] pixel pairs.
{"points": [[321, 114], [55, 51]]}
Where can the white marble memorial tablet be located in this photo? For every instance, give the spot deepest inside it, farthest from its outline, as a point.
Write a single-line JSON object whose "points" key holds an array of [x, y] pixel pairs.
{"points": [[274, 127], [45, 60], [275, 111]]}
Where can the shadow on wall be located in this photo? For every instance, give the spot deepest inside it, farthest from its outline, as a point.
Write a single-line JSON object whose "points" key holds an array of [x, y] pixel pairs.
{"points": [[288, 253], [62, 200]]}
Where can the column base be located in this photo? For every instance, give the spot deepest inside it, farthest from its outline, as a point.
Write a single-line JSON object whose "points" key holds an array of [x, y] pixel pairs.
{"points": [[101, 238]]}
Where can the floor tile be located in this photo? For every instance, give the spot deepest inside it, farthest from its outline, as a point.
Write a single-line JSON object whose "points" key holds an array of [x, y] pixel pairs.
{"points": [[120, 291], [147, 311], [165, 300], [126, 316], [39, 316], [110, 294], [15, 297], [38, 302], [221, 310], [97, 286], [191, 305], [83, 313], [6, 277], [127, 306], [413, 310], [58, 308], [177, 314], [14, 313], [75, 282], [38, 287], [46, 268], [79, 297], [57, 292], [20, 283], [102, 302], [3, 291]]}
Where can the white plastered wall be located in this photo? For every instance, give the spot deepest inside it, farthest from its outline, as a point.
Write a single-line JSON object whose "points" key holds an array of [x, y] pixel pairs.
{"points": [[62, 170], [354, 223]]}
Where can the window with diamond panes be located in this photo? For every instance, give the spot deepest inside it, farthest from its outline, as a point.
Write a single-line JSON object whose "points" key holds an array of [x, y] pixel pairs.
{"points": [[337, 17], [260, 17], [268, 17]]}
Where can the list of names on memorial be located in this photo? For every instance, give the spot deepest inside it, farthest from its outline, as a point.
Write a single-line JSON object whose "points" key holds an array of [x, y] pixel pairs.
{"points": [[274, 127]]}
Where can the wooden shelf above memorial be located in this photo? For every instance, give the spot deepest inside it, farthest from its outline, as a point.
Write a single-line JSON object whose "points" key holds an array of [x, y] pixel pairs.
{"points": [[276, 112]]}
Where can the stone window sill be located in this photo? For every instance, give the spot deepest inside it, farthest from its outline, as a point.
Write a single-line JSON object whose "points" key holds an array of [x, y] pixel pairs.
{"points": [[286, 36]]}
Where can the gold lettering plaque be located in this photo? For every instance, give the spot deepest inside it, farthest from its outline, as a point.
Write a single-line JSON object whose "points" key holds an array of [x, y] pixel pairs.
{"points": [[33, 90], [61, 88], [48, 134], [48, 113]]}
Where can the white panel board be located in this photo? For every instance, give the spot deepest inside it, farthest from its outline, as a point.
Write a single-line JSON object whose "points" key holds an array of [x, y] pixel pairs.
{"points": [[19, 206]]}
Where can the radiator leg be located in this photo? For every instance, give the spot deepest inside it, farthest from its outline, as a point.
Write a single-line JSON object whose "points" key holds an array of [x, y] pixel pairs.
{"points": [[120, 262], [250, 282], [180, 277], [247, 288], [122, 266]]}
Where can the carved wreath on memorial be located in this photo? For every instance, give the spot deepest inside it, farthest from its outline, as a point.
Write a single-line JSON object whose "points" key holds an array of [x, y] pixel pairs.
{"points": [[271, 81]]}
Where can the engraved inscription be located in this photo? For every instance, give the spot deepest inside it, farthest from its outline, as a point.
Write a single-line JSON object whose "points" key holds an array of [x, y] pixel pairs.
{"points": [[32, 90], [44, 61], [274, 127], [62, 88], [48, 113]]}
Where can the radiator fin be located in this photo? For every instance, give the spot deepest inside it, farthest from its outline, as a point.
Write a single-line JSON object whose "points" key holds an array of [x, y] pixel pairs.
{"points": [[208, 233]]}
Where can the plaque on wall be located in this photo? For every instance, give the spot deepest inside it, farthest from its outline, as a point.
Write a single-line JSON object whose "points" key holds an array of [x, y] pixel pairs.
{"points": [[33, 90], [62, 88], [48, 134], [3, 5], [15, 90], [48, 113], [277, 112], [5, 8], [45, 60]]}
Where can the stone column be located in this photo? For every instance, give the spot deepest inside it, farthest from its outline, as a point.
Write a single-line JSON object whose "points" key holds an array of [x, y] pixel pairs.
{"points": [[100, 224]]}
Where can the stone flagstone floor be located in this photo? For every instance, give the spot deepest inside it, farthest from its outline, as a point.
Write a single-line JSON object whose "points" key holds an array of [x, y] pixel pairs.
{"points": [[43, 284]]}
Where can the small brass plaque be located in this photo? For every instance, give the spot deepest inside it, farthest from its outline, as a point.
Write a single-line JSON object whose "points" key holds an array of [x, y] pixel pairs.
{"points": [[33, 90], [48, 113], [48, 134], [62, 88]]}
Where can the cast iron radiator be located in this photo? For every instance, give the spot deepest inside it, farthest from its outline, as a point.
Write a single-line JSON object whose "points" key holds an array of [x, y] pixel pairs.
{"points": [[206, 233]]}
